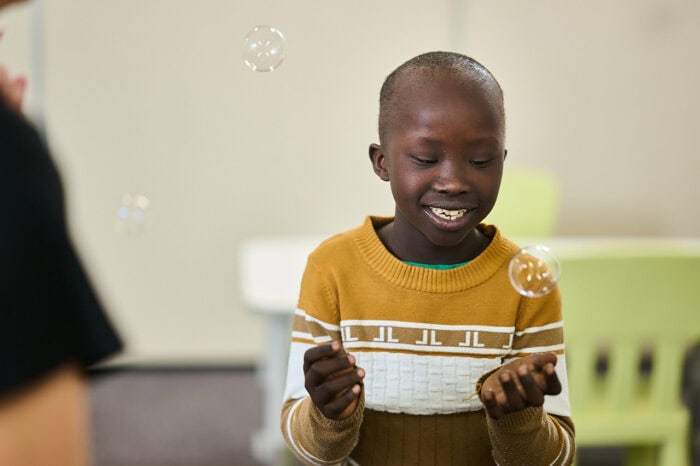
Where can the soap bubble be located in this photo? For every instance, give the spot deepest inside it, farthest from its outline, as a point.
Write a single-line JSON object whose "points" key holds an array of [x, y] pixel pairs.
{"points": [[132, 214], [263, 48], [534, 271]]}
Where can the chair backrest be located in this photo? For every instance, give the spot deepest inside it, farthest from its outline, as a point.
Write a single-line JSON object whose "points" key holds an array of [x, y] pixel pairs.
{"points": [[528, 204], [628, 307]]}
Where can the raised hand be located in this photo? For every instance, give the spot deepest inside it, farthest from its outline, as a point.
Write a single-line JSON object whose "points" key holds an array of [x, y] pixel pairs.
{"points": [[11, 88], [332, 380], [520, 384]]}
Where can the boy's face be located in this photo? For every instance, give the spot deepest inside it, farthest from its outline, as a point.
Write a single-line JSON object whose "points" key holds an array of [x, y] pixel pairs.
{"points": [[443, 155]]}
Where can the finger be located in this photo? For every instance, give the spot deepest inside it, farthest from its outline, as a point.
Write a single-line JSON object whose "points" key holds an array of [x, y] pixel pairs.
{"points": [[336, 408], [328, 368], [319, 352], [534, 396], [540, 360], [350, 363], [336, 387], [552, 380], [488, 398], [514, 399], [338, 382]]}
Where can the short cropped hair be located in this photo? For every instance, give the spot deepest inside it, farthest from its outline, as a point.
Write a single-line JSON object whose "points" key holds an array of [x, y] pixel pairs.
{"points": [[453, 62]]}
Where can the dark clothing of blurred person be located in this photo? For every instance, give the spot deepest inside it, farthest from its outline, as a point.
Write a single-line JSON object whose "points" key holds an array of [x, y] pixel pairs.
{"points": [[52, 325]]}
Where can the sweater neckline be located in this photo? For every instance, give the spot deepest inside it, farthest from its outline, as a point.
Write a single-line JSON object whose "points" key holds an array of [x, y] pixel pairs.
{"points": [[496, 255], [436, 266]]}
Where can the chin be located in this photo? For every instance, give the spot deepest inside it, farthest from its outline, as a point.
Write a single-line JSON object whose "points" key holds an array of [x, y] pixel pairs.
{"points": [[449, 240]]}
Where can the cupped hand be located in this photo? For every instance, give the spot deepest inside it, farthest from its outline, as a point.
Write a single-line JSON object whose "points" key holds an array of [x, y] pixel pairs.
{"points": [[520, 384]]}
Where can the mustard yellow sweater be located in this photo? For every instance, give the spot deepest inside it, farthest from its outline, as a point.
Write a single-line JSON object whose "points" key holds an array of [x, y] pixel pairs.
{"points": [[425, 337]]}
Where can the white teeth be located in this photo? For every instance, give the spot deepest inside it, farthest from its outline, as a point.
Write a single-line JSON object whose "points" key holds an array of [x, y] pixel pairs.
{"points": [[448, 214]]}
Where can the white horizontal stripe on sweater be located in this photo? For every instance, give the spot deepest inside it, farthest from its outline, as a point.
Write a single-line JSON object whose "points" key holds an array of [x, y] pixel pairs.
{"points": [[308, 318], [425, 348], [307, 336], [538, 349], [423, 325], [421, 384], [429, 384], [540, 329]]}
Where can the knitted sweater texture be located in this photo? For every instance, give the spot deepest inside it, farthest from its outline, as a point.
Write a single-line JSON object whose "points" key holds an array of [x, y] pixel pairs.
{"points": [[426, 339]]}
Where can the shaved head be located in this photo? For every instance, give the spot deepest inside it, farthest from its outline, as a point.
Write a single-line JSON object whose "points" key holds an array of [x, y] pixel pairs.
{"points": [[418, 71]]}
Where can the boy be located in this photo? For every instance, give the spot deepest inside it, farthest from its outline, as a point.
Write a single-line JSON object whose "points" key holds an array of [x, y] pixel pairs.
{"points": [[424, 302]]}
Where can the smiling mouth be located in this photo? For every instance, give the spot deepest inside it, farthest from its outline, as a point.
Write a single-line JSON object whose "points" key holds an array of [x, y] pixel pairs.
{"points": [[448, 214]]}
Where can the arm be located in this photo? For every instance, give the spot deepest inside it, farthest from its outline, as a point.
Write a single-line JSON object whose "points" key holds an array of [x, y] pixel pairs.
{"points": [[46, 422], [526, 399], [513, 397], [324, 401]]}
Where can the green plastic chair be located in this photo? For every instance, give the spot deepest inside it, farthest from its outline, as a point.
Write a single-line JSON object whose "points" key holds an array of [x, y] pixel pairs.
{"points": [[528, 204], [624, 306]]}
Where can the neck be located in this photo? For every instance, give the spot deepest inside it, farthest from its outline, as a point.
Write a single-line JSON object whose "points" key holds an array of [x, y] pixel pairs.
{"points": [[407, 244]]}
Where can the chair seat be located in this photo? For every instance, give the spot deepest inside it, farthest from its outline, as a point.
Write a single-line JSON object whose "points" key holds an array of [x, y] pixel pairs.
{"points": [[605, 428]]}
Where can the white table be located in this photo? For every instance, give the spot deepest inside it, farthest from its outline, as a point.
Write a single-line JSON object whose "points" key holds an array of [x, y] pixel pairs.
{"points": [[271, 271]]}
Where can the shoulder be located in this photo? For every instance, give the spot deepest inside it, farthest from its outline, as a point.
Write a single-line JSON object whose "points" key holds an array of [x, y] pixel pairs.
{"points": [[354, 244], [18, 137], [498, 241], [335, 248]]}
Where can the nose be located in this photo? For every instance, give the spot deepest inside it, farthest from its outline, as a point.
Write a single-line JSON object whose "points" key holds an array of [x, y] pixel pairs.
{"points": [[452, 179]]}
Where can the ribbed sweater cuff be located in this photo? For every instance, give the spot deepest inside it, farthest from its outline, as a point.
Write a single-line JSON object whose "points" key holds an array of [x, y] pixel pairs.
{"points": [[337, 425], [328, 441], [527, 420]]}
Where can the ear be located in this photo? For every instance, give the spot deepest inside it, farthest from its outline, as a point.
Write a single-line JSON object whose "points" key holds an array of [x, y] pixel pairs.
{"points": [[376, 156]]}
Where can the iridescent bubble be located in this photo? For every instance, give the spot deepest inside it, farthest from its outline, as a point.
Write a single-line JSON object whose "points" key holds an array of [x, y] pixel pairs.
{"points": [[263, 48], [132, 214], [534, 271]]}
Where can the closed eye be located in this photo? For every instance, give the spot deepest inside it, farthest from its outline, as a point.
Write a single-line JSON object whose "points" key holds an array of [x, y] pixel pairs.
{"points": [[481, 163], [423, 161]]}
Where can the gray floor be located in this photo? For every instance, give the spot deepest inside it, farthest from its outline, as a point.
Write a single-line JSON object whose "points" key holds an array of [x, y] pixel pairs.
{"points": [[194, 418], [174, 418]]}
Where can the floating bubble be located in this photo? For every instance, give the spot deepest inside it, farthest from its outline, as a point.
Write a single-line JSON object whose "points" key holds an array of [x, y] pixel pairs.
{"points": [[263, 48], [534, 271], [132, 214]]}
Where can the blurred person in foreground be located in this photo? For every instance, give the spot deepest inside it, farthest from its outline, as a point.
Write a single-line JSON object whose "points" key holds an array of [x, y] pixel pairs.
{"points": [[52, 325]]}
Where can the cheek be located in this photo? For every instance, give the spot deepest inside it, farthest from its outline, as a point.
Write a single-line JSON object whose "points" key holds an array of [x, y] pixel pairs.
{"points": [[489, 185], [398, 191], [496, 185], [408, 186]]}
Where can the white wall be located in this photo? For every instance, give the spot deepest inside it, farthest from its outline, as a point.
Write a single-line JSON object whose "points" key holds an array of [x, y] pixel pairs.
{"points": [[152, 97], [606, 95]]}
